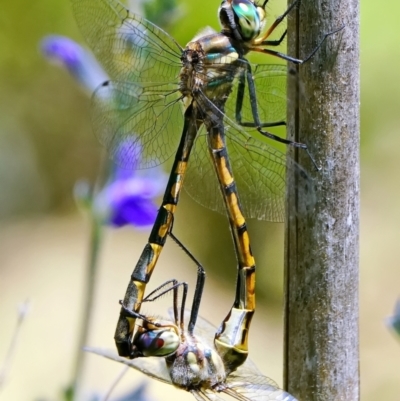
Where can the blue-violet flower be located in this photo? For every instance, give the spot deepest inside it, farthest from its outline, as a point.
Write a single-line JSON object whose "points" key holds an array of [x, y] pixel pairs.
{"points": [[79, 62]]}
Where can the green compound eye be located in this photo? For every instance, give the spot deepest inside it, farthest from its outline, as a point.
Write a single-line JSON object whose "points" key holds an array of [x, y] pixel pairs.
{"points": [[247, 18]]}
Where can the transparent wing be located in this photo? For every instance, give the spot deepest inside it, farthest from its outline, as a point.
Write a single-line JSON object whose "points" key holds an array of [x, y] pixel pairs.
{"points": [[140, 124], [203, 329], [129, 47], [201, 180], [258, 168], [137, 112], [246, 383], [138, 115], [270, 88], [151, 366], [211, 395]]}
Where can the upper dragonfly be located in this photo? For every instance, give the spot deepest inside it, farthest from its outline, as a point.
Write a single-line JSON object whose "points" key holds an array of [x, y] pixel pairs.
{"points": [[203, 100]]}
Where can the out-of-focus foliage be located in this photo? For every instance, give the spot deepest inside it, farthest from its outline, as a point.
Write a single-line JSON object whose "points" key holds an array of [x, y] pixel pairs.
{"points": [[45, 138]]}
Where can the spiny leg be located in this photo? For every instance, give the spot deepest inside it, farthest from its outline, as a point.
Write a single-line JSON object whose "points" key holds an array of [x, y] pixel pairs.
{"points": [[198, 293], [274, 25], [173, 285], [170, 285], [294, 59], [276, 42], [247, 76], [253, 98], [253, 101]]}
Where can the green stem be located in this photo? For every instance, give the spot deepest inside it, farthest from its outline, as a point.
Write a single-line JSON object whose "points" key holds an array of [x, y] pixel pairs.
{"points": [[89, 293]]}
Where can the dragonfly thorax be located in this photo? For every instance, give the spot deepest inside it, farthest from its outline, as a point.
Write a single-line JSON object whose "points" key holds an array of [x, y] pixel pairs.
{"points": [[196, 365], [209, 65], [191, 75]]}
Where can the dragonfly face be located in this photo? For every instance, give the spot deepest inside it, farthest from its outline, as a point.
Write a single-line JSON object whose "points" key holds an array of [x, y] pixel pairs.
{"points": [[210, 61], [153, 340], [192, 363], [242, 17]]}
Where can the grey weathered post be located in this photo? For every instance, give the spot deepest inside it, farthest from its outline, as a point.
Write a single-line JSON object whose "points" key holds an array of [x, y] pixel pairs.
{"points": [[321, 257]]}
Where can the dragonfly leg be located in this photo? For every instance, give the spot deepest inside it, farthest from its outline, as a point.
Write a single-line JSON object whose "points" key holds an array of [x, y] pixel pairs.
{"points": [[262, 41], [136, 315], [158, 293], [275, 42], [174, 285], [253, 100], [294, 59], [201, 278], [257, 124], [161, 290]]}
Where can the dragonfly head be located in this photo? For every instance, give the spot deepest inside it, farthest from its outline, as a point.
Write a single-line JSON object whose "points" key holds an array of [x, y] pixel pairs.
{"points": [[151, 340], [242, 18]]}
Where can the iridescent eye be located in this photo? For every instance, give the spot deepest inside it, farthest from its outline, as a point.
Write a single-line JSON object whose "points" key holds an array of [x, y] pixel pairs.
{"points": [[247, 18], [157, 342]]}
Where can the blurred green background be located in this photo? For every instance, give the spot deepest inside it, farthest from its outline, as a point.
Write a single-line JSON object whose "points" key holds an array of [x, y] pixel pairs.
{"points": [[46, 145]]}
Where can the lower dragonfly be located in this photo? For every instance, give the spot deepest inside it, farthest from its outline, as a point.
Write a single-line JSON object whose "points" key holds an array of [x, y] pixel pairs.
{"points": [[187, 358], [154, 81]]}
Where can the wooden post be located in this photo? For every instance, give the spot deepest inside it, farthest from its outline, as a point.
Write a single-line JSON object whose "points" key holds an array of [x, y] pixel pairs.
{"points": [[321, 256]]}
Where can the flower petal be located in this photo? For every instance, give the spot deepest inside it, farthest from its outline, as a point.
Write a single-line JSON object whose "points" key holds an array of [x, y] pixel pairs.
{"points": [[80, 63], [134, 211]]}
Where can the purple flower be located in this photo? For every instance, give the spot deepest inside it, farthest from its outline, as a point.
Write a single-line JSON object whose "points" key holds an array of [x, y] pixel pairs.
{"points": [[128, 198], [80, 63], [394, 321]]}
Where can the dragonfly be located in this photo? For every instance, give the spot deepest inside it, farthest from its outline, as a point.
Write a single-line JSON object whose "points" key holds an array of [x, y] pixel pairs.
{"points": [[186, 357], [202, 101]]}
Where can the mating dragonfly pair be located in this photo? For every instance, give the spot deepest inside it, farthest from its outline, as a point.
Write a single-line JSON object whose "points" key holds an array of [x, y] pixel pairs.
{"points": [[226, 102]]}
